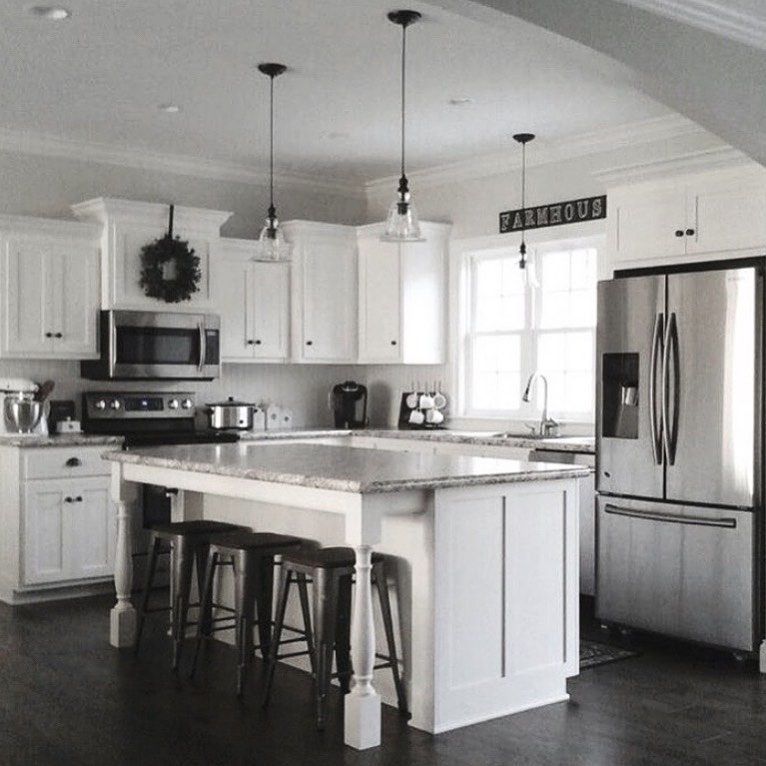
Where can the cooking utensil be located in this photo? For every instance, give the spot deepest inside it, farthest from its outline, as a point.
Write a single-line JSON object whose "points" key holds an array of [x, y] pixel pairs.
{"points": [[44, 391], [231, 414]]}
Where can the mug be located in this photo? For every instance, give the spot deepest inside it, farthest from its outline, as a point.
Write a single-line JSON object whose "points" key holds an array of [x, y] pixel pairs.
{"points": [[434, 416], [412, 400], [440, 401], [417, 417], [426, 402]]}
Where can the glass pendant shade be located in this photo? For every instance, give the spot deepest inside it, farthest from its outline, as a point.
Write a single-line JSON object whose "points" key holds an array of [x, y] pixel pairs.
{"points": [[402, 224], [272, 245]]}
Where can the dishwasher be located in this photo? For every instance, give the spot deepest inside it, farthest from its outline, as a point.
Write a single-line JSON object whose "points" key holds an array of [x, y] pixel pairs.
{"points": [[587, 487]]}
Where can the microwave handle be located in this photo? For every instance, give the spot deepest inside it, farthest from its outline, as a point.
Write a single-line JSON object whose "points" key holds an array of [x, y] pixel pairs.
{"points": [[112, 344], [202, 345]]}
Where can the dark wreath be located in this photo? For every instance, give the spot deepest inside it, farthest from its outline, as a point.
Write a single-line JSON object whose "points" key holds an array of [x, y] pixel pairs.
{"points": [[169, 255]]}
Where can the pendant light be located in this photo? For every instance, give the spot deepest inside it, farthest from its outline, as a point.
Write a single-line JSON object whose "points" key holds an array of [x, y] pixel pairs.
{"points": [[524, 264], [402, 222], [272, 244]]}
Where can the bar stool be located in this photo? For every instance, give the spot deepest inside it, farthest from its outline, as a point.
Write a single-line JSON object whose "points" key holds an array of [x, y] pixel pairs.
{"points": [[189, 542], [332, 571], [251, 555]]}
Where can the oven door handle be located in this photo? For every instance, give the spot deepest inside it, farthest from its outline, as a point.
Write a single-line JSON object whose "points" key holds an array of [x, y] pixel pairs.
{"points": [[202, 345]]}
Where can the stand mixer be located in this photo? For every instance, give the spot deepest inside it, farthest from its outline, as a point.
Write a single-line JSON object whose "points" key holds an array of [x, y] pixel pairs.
{"points": [[22, 391]]}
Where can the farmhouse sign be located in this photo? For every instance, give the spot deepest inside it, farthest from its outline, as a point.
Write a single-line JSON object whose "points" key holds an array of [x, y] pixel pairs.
{"points": [[572, 211]]}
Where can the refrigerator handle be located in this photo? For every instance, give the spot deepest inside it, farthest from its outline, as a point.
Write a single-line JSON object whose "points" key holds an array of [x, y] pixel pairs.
{"points": [[670, 425], [657, 353]]}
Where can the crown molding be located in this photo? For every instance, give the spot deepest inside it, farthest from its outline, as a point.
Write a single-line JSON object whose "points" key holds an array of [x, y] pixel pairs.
{"points": [[714, 158], [23, 142], [595, 142], [711, 16]]}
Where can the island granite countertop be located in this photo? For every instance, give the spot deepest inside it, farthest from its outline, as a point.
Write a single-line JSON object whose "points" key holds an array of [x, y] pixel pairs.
{"points": [[345, 469]]}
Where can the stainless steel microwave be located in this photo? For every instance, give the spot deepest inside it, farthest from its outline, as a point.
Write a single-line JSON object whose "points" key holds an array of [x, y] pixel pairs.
{"points": [[148, 345]]}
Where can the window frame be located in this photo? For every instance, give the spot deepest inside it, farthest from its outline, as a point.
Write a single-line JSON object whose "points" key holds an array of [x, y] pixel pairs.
{"points": [[464, 253]]}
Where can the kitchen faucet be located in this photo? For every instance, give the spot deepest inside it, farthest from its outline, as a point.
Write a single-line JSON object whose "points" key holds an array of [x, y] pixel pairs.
{"points": [[548, 426]]}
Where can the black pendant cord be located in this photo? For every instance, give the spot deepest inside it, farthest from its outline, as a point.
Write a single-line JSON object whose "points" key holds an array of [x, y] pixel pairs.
{"points": [[272, 209], [170, 222], [404, 83], [523, 245]]}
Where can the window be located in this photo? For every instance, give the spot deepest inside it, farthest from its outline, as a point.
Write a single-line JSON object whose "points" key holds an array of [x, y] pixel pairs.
{"points": [[511, 331]]}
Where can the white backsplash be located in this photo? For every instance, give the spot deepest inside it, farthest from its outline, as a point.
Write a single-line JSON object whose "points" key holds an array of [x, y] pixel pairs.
{"points": [[301, 389]]}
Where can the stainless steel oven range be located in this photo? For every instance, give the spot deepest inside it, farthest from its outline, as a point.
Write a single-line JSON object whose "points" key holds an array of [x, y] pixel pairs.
{"points": [[148, 419]]}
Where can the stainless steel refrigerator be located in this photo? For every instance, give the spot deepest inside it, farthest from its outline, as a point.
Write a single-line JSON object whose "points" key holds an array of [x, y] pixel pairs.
{"points": [[680, 453]]}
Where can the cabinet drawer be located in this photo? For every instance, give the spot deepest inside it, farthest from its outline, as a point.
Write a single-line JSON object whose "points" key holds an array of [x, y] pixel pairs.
{"points": [[64, 462]]}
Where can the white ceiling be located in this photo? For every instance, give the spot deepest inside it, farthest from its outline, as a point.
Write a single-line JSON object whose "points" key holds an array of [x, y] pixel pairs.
{"points": [[99, 77]]}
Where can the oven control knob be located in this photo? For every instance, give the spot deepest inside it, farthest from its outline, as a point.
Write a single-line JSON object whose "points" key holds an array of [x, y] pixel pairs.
{"points": [[115, 404], [100, 404], [186, 404], [173, 404]]}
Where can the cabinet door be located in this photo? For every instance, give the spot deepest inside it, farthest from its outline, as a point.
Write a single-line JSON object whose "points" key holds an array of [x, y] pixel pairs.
{"points": [[727, 214], [271, 317], [379, 302], [26, 285], [45, 532], [329, 321], [75, 297], [92, 532], [649, 223], [234, 302]]}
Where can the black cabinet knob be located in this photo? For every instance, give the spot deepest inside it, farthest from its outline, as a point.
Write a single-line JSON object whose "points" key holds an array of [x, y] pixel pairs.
{"points": [[73, 462], [690, 232], [58, 335], [250, 342], [78, 499], [393, 342], [48, 334], [68, 500], [309, 342], [679, 232], [257, 343]]}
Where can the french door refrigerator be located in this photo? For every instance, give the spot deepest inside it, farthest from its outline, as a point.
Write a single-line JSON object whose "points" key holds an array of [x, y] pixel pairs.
{"points": [[680, 453]]}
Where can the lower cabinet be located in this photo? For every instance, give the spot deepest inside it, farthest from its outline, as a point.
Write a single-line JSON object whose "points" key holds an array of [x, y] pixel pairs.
{"points": [[68, 530], [57, 518]]}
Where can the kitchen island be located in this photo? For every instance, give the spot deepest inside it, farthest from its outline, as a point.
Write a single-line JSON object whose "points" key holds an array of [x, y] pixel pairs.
{"points": [[486, 554]]}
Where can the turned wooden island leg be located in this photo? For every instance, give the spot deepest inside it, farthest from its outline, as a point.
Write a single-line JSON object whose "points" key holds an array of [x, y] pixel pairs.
{"points": [[122, 619], [362, 704]]}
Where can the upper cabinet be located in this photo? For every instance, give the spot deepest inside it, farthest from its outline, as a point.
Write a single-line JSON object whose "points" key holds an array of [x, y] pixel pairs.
{"points": [[402, 297], [705, 215], [50, 288], [128, 226], [324, 286], [253, 300]]}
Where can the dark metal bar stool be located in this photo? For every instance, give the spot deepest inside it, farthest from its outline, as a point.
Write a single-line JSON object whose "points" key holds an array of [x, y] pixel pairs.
{"points": [[332, 571], [189, 542], [251, 554]]}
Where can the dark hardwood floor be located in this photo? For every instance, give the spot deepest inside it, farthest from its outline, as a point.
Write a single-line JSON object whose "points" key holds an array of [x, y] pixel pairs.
{"points": [[68, 699]]}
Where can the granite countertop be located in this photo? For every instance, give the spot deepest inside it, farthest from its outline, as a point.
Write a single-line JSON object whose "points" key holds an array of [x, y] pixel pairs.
{"points": [[584, 444], [345, 469], [56, 440]]}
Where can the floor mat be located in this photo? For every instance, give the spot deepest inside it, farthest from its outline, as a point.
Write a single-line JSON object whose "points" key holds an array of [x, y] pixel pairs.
{"points": [[593, 654]]}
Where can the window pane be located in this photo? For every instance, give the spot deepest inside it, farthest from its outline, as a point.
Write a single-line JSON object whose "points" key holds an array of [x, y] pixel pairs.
{"points": [[499, 295], [496, 376]]}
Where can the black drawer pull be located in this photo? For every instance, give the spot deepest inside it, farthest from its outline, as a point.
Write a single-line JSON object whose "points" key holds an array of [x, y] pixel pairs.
{"points": [[58, 335], [73, 462], [257, 343], [78, 499], [68, 500], [48, 334], [309, 342], [679, 232], [250, 342], [393, 342], [690, 232]]}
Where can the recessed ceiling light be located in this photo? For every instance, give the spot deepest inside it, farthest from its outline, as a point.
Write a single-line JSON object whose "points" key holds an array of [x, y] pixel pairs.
{"points": [[50, 12], [169, 108], [461, 101]]}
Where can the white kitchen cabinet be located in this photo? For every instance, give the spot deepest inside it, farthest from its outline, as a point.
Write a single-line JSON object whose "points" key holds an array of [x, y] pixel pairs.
{"points": [[50, 288], [714, 214], [324, 292], [58, 520], [68, 530], [253, 299], [402, 297], [128, 226]]}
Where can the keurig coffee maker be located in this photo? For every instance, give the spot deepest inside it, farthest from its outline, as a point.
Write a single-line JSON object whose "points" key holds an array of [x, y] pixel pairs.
{"points": [[349, 405]]}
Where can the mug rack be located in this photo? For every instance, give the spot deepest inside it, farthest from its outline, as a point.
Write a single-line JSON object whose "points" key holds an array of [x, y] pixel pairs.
{"points": [[422, 410]]}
